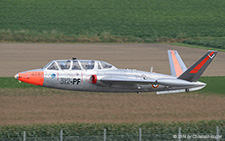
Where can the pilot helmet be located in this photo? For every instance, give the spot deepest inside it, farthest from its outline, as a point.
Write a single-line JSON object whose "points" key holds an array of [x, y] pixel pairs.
{"points": [[62, 65]]}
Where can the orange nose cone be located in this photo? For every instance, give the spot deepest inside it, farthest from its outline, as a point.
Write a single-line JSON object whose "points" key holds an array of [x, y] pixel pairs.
{"points": [[31, 77]]}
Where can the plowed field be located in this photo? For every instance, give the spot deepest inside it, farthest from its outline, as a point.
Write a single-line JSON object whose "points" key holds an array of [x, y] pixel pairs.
{"points": [[17, 57]]}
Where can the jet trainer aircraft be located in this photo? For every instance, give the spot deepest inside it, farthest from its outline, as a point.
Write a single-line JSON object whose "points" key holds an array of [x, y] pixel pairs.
{"points": [[99, 76]]}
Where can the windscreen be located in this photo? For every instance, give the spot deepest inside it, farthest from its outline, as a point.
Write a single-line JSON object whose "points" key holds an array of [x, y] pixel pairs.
{"points": [[53, 66]]}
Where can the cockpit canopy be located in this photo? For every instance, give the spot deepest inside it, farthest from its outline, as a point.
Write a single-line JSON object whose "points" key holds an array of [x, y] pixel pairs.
{"points": [[78, 65]]}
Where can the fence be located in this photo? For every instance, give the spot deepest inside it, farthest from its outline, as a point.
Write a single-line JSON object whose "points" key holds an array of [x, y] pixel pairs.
{"points": [[126, 137]]}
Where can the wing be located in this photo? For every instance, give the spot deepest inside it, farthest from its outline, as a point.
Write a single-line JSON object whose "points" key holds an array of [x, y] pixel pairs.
{"points": [[123, 80]]}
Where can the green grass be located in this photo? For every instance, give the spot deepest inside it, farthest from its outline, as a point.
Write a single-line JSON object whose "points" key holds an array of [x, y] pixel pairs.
{"points": [[10, 82], [215, 85], [218, 43], [75, 129], [110, 21]]}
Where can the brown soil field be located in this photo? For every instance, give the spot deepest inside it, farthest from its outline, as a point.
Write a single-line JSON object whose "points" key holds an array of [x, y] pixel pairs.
{"points": [[32, 106], [17, 57]]}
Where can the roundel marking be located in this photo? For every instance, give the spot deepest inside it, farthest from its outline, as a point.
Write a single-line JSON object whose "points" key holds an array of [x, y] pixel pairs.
{"points": [[53, 75], [155, 85]]}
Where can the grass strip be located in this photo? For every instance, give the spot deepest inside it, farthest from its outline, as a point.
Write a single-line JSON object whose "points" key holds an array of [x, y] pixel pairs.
{"points": [[215, 84], [197, 46]]}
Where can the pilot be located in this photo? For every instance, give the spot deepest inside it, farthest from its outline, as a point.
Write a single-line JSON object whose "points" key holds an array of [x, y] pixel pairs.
{"points": [[62, 65], [90, 65]]}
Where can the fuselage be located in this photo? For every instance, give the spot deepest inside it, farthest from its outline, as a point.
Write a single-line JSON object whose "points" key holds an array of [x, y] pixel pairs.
{"points": [[86, 75]]}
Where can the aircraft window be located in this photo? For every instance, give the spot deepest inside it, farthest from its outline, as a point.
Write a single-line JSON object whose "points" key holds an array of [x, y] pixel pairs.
{"points": [[53, 66], [76, 66], [64, 65], [87, 65], [47, 65], [99, 66], [106, 65]]}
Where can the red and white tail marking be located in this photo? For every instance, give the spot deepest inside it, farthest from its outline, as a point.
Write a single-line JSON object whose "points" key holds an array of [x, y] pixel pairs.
{"points": [[199, 66]]}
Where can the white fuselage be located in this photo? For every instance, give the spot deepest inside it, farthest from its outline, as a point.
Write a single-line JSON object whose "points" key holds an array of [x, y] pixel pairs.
{"points": [[99, 76], [82, 81]]}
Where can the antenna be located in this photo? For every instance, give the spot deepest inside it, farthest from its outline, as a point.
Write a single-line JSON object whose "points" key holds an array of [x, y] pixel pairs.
{"points": [[151, 70]]}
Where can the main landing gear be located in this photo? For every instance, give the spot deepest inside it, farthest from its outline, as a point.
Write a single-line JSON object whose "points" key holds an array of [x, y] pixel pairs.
{"points": [[187, 90]]}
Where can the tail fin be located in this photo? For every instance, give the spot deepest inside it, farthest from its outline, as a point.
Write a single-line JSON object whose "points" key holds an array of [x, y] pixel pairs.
{"points": [[177, 66], [195, 71]]}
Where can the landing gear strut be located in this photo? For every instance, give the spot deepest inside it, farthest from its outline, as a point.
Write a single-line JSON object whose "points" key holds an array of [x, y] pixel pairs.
{"points": [[138, 92], [187, 90]]}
